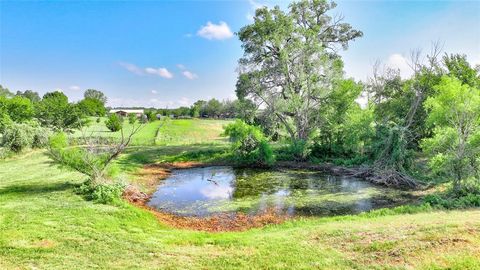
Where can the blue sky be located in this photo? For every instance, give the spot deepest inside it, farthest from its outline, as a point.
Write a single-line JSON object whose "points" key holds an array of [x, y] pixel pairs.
{"points": [[159, 53]]}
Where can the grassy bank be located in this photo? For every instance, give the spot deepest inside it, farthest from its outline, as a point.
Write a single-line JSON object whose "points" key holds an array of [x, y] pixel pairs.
{"points": [[44, 224]]}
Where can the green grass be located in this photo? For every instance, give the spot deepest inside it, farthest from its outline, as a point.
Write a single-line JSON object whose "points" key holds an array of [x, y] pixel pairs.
{"points": [[44, 224], [191, 131], [164, 132], [145, 136]]}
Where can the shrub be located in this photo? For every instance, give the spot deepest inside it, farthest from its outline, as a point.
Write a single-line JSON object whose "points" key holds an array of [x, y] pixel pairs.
{"points": [[114, 122], [102, 193], [453, 201], [5, 121], [41, 136], [298, 150], [249, 145], [18, 136], [132, 118]]}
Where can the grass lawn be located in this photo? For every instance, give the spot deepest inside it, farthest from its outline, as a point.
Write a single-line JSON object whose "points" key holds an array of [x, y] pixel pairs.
{"points": [[44, 224], [165, 132], [191, 131]]}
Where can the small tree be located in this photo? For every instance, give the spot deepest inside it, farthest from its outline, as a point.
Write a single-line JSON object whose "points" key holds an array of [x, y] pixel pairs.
{"points": [[454, 112], [91, 159], [249, 145], [114, 122], [132, 118]]}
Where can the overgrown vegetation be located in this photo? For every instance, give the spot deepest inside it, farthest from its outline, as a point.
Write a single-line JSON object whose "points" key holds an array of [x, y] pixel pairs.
{"points": [[249, 145]]}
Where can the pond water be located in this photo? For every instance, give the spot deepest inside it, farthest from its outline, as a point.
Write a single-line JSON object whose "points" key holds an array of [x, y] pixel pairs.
{"points": [[212, 190]]}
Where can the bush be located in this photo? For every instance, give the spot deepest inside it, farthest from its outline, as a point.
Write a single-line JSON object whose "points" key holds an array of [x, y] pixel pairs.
{"points": [[114, 122], [132, 118], [17, 137], [453, 202], [102, 193], [41, 136], [249, 145], [298, 150]]}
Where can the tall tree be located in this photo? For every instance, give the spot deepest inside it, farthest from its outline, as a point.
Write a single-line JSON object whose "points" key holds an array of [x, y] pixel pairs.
{"points": [[454, 111], [4, 92], [95, 94], [290, 64], [30, 94], [55, 111]]}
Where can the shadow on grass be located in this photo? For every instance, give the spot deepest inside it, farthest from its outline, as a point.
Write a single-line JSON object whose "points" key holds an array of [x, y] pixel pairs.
{"points": [[35, 189]]}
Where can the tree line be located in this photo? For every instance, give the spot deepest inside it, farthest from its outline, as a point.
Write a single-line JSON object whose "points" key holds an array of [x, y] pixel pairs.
{"points": [[292, 69]]}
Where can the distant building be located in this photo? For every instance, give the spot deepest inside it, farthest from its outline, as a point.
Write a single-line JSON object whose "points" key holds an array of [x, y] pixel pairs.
{"points": [[125, 112]]}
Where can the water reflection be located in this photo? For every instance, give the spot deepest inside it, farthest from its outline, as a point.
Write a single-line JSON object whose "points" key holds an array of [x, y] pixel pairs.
{"points": [[210, 190]]}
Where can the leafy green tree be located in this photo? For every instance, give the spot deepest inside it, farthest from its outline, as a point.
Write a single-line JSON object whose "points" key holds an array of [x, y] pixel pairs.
{"points": [[18, 109], [4, 92], [454, 111], [30, 94], [114, 122], [290, 63], [91, 107], [458, 67], [249, 145], [132, 118], [199, 106], [95, 94], [55, 111], [213, 108]]}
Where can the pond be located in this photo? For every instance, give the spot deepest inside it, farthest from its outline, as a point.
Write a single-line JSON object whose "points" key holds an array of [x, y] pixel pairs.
{"points": [[206, 191]]}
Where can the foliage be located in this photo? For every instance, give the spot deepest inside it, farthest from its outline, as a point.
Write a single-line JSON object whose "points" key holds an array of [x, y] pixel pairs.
{"points": [[114, 122], [454, 111], [93, 156], [4, 92], [453, 202], [132, 118], [18, 108], [290, 65], [30, 94], [91, 107], [105, 193], [56, 112], [95, 94], [249, 145], [19, 136]]}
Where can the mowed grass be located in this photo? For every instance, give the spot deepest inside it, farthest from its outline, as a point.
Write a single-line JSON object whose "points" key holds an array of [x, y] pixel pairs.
{"points": [[45, 225], [164, 132], [191, 131], [145, 136]]}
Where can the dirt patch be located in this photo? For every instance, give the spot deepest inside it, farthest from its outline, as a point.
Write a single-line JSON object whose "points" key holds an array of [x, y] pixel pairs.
{"points": [[149, 177], [221, 222]]}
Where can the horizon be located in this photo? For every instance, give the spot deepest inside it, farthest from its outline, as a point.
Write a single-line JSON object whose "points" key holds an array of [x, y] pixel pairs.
{"points": [[166, 61]]}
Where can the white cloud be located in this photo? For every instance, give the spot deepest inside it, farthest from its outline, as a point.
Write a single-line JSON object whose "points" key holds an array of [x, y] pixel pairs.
{"points": [[162, 72], [74, 87], [189, 75], [398, 61], [215, 31], [131, 67], [154, 92]]}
